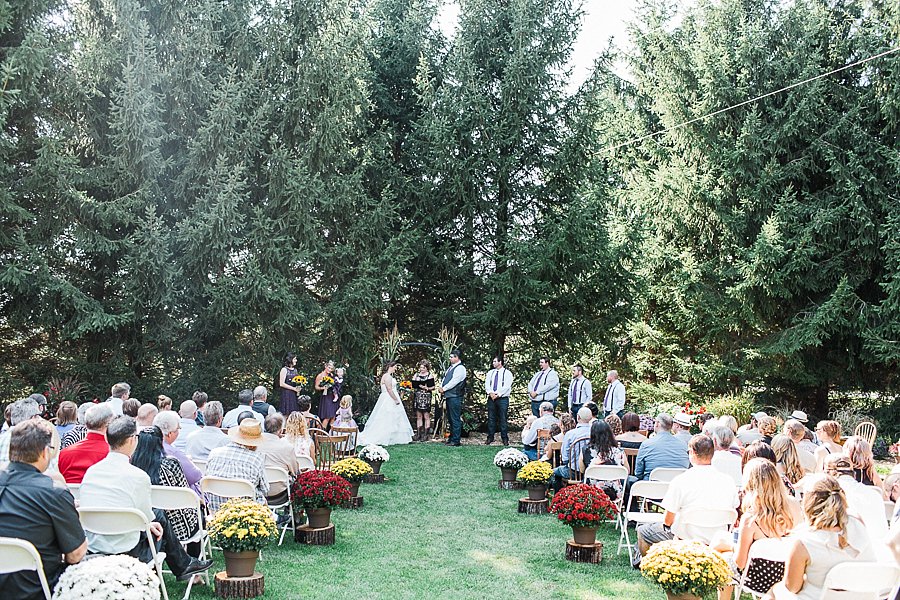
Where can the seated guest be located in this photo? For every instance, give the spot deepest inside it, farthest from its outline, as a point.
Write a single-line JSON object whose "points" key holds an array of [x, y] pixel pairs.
{"points": [[681, 427], [33, 509], [803, 419], [747, 434], [566, 424], [200, 399], [795, 430], [206, 439], [723, 459], [572, 444], [662, 450], [615, 424], [79, 432], [149, 458], [768, 428], [595, 410], [163, 402], [115, 483], [145, 415], [603, 450], [130, 407], [278, 452], [859, 452], [830, 537], [863, 501], [66, 417], [786, 459], [240, 460], [829, 434], [75, 460], [297, 437], [170, 425], [760, 449], [304, 403], [544, 421], [245, 400], [188, 413], [19, 412], [699, 487], [631, 438], [260, 402]]}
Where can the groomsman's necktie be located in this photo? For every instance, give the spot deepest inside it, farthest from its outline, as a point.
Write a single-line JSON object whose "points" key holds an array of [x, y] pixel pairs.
{"points": [[538, 384], [496, 375], [607, 402]]}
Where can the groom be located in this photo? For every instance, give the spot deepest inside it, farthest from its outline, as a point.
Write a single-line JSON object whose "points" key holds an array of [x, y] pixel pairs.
{"points": [[454, 388]]}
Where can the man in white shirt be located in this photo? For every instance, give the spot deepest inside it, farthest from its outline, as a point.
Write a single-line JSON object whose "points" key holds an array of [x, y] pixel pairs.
{"points": [[724, 460], [119, 393], [206, 439], [543, 387], [497, 386], [188, 419], [580, 391], [702, 487], [749, 433], [681, 427], [614, 398], [245, 403], [529, 438], [453, 388], [115, 483]]}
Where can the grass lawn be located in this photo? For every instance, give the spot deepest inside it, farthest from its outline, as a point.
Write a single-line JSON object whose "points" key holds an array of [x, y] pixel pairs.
{"points": [[440, 528]]}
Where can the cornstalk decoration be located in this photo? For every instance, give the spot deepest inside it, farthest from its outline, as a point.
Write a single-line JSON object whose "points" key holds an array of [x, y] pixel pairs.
{"points": [[390, 345], [447, 339]]}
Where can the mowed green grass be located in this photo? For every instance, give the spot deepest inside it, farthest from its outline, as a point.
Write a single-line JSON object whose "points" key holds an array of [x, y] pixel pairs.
{"points": [[440, 528]]}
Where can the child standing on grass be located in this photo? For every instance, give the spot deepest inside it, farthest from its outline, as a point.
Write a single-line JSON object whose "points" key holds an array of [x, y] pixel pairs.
{"points": [[344, 417]]}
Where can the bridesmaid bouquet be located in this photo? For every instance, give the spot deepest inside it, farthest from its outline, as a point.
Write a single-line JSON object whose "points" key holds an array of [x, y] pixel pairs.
{"points": [[299, 381], [327, 382]]}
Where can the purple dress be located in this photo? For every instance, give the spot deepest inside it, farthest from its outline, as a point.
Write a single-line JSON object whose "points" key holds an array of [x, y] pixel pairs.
{"points": [[288, 397], [328, 402]]}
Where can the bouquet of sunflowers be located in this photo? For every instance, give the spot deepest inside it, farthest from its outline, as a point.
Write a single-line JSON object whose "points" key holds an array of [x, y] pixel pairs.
{"points": [[682, 567], [326, 382], [537, 472], [241, 524], [353, 470], [299, 381], [406, 386]]}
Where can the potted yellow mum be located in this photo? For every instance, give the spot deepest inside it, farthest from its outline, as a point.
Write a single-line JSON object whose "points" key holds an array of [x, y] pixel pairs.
{"points": [[241, 527], [354, 471], [685, 570], [535, 476]]}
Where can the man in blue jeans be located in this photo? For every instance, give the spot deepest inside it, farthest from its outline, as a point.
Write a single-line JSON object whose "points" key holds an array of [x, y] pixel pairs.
{"points": [[453, 387]]}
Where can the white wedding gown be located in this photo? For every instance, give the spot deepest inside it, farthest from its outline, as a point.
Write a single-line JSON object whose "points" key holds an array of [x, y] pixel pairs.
{"points": [[388, 423]]}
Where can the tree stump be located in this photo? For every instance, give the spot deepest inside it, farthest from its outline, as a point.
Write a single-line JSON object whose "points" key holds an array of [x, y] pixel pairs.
{"points": [[510, 485], [315, 537], [534, 507], [353, 502], [584, 553], [374, 478], [239, 587]]}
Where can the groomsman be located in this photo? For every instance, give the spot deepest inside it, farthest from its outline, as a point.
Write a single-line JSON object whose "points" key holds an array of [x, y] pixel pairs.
{"points": [[498, 385], [453, 388], [580, 390], [543, 387], [614, 399]]}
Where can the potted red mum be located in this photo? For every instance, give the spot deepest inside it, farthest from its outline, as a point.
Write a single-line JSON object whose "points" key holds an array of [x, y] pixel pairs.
{"points": [[583, 507], [318, 492]]}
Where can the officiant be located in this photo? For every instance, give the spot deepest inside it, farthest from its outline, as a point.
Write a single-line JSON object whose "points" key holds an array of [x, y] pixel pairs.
{"points": [[497, 386], [453, 387], [423, 386]]}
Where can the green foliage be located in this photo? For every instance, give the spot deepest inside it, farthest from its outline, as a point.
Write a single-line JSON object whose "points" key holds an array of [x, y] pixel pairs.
{"points": [[740, 406], [651, 399]]}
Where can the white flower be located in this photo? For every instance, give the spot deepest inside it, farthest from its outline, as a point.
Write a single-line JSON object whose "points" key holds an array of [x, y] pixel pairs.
{"points": [[374, 453], [510, 458], [108, 578]]}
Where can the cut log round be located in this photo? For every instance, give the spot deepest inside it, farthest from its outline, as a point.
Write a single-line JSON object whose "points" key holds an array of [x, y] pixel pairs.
{"points": [[239, 587], [374, 478], [509, 485], [584, 553], [353, 502], [534, 507], [315, 537]]}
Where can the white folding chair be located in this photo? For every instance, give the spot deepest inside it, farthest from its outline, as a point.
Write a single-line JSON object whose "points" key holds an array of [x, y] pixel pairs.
{"points": [[227, 488], [166, 497], [21, 555], [200, 464], [863, 579], [665, 473], [609, 473], [707, 518], [646, 491], [75, 490], [279, 475], [889, 508], [306, 463], [119, 521], [773, 549]]}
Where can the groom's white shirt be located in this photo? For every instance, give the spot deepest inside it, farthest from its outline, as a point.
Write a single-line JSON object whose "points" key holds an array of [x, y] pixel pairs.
{"points": [[459, 374]]}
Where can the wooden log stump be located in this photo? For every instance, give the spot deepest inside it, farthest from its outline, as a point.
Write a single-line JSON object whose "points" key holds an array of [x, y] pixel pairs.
{"points": [[374, 478], [315, 537], [533, 507], [353, 502], [510, 485], [239, 587], [584, 553]]}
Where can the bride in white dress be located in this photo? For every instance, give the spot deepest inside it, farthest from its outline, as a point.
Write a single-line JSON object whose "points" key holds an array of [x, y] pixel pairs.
{"points": [[388, 423]]}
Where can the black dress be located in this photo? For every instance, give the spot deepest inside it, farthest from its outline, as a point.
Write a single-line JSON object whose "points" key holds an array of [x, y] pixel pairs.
{"points": [[288, 397]]}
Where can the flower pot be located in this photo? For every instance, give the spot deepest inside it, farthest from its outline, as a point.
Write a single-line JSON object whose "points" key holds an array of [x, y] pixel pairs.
{"points": [[508, 474], [240, 564], [318, 518], [586, 536], [685, 596], [376, 466], [354, 490], [537, 492]]}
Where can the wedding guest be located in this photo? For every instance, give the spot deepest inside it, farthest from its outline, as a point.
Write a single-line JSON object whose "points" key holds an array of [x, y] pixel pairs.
{"points": [[130, 407], [328, 400], [760, 449], [304, 403], [580, 390], [859, 452], [79, 432], [662, 450], [188, 413], [200, 399], [33, 509], [261, 404], [245, 402], [603, 450], [75, 460], [286, 387], [119, 393], [529, 437], [631, 437], [831, 537], [723, 459], [498, 385], [566, 424], [571, 447], [240, 460], [19, 411], [66, 417], [730, 422], [423, 386], [681, 427], [595, 410], [614, 398], [829, 434], [615, 423], [786, 459], [805, 448], [163, 402], [297, 435], [543, 387], [863, 501], [767, 428], [530, 450], [206, 439], [277, 452], [747, 434], [170, 425]]}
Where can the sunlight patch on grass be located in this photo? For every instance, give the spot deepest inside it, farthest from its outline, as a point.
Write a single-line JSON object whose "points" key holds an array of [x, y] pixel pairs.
{"points": [[505, 564]]}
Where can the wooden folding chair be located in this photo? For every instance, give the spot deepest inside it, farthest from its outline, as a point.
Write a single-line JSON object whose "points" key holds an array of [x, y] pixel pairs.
{"points": [[576, 465], [543, 439], [327, 449], [348, 450], [867, 431], [555, 451], [630, 458], [21, 555]]}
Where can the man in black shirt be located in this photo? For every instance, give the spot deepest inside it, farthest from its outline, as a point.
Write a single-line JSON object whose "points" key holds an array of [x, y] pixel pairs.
{"points": [[32, 509]]}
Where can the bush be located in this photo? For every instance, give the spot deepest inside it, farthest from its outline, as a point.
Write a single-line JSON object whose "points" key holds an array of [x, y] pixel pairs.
{"points": [[648, 397], [740, 406]]}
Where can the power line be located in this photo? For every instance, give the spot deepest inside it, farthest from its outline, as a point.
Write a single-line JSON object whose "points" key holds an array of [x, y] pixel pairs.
{"points": [[750, 101]]}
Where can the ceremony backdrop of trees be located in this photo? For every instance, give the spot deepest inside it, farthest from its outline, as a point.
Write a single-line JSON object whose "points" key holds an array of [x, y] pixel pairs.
{"points": [[190, 189]]}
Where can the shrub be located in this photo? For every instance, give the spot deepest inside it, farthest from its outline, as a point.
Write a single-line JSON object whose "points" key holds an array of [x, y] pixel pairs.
{"points": [[740, 406]]}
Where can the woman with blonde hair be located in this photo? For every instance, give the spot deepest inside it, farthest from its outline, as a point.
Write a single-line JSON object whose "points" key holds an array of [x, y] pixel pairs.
{"points": [[831, 537], [786, 458], [297, 433], [66, 417], [859, 452], [829, 434], [767, 428]]}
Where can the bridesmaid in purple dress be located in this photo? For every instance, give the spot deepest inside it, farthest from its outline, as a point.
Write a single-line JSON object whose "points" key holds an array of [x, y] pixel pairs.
{"points": [[328, 400], [288, 390]]}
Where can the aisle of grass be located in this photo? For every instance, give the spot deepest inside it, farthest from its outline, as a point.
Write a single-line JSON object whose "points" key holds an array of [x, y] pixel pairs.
{"points": [[440, 528]]}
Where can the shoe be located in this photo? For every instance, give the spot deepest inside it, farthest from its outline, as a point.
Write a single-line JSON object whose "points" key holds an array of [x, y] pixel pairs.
{"points": [[506, 442], [454, 444], [194, 567], [488, 441]]}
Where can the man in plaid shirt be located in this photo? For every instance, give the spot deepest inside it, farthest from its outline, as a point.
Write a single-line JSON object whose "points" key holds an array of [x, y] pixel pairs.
{"points": [[240, 460]]}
